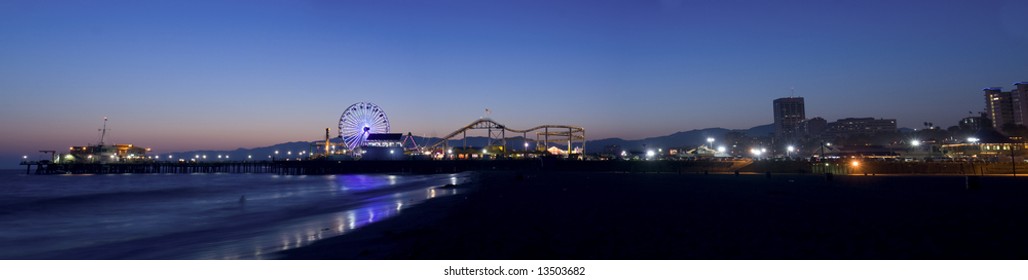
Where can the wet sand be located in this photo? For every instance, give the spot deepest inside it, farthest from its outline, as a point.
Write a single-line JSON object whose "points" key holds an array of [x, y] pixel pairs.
{"points": [[508, 215]]}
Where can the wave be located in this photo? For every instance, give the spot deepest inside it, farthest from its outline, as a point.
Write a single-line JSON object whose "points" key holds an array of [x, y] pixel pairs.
{"points": [[99, 198]]}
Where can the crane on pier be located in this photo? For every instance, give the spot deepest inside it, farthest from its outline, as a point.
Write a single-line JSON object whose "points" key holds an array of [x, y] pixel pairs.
{"points": [[103, 132]]}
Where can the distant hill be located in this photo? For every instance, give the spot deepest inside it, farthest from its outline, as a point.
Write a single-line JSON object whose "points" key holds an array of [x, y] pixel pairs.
{"points": [[761, 130], [261, 153], [689, 138]]}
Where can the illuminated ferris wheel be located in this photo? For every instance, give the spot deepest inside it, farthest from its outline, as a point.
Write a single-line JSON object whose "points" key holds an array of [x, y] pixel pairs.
{"points": [[359, 120]]}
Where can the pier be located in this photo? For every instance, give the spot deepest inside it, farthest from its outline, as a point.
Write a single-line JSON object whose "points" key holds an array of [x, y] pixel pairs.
{"points": [[318, 167], [314, 167], [44, 167]]}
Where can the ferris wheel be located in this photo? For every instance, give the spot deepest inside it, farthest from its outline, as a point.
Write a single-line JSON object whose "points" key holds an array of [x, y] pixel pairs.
{"points": [[359, 120]]}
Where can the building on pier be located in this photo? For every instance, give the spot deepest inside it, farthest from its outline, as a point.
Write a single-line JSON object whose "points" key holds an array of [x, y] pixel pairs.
{"points": [[103, 154]]}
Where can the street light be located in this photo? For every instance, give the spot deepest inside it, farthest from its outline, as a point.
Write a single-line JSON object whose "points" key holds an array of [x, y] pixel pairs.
{"points": [[915, 143], [789, 150], [710, 142]]}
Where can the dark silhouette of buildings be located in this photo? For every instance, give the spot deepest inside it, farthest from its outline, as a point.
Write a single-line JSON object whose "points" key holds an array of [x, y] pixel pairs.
{"points": [[815, 126], [857, 126]]}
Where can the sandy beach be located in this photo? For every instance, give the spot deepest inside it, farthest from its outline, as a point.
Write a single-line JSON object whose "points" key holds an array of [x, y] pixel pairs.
{"points": [[510, 215]]}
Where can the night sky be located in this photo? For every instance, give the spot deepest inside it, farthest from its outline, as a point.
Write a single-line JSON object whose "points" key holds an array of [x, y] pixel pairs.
{"points": [[185, 75]]}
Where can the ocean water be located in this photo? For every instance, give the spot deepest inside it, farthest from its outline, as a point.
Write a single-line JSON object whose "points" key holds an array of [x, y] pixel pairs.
{"points": [[195, 216]]}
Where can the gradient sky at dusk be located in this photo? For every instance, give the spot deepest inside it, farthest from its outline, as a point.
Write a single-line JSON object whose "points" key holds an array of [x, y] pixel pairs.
{"points": [[184, 75]]}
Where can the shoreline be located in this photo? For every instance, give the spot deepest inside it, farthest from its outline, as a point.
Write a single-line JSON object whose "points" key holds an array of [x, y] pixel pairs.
{"points": [[574, 215]]}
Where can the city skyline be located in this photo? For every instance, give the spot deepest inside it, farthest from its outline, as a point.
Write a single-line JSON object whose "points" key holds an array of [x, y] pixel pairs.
{"points": [[221, 75]]}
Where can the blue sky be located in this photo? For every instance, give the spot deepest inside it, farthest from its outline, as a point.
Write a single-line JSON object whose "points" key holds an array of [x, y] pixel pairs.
{"points": [[183, 75]]}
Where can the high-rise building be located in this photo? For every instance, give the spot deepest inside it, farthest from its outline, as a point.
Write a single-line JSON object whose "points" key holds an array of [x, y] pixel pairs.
{"points": [[789, 114], [1007, 107], [1019, 98], [999, 106]]}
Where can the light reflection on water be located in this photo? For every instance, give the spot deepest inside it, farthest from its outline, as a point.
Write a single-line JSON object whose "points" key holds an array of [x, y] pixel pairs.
{"points": [[305, 231]]}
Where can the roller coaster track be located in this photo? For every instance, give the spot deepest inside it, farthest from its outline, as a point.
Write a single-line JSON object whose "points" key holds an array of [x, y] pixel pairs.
{"points": [[560, 132]]}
